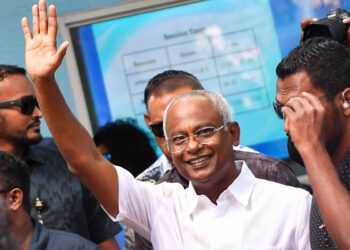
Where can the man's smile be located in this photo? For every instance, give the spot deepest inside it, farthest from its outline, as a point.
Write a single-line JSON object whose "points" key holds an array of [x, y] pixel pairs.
{"points": [[199, 161]]}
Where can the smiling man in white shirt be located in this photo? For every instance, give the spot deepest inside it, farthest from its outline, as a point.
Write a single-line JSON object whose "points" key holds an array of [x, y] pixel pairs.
{"points": [[225, 206]]}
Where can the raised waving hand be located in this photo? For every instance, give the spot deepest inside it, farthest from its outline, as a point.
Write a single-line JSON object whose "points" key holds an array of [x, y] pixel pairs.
{"points": [[73, 140], [41, 54]]}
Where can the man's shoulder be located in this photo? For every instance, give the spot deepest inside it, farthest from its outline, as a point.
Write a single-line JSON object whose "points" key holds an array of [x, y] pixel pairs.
{"points": [[71, 240], [275, 189], [268, 168], [50, 159], [258, 157], [155, 171], [41, 152], [56, 239]]}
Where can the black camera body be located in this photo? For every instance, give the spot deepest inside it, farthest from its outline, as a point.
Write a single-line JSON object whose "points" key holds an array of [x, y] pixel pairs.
{"points": [[331, 26]]}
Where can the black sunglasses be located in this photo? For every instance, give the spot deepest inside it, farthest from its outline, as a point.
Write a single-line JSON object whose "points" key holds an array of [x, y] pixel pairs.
{"points": [[277, 107], [27, 104], [157, 129]]}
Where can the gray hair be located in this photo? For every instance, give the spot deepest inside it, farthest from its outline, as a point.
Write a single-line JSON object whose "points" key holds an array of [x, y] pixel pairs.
{"points": [[219, 102]]}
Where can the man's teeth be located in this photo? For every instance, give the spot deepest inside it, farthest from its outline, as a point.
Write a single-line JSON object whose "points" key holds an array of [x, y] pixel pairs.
{"points": [[195, 161]]}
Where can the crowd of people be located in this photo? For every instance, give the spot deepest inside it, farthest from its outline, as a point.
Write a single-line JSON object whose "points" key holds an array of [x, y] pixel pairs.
{"points": [[206, 191]]}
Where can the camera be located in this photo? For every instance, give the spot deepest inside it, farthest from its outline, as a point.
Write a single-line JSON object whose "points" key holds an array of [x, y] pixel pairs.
{"points": [[331, 26]]}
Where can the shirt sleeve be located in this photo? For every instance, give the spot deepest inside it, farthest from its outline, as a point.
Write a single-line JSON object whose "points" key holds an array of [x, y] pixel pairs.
{"points": [[139, 201], [101, 227]]}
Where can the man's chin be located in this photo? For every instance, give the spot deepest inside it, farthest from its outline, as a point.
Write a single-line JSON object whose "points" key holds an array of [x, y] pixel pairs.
{"points": [[32, 140]]}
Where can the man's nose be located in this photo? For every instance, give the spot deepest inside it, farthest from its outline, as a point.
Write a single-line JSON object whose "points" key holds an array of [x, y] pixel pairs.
{"points": [[193, 144], [37, 112]]}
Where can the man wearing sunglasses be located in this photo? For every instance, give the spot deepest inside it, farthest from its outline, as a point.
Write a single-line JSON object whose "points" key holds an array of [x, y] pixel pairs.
{"points": [[58, 199], [158, 93], [312, 96]]}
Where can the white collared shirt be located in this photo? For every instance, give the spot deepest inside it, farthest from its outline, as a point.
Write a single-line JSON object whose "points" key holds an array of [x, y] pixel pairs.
{"points": [[250, 214]]}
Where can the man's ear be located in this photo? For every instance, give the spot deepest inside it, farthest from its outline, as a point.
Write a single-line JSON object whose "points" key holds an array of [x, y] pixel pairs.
{"points": [[147, 118], [346, 101], [14, 199], [235, 131]]}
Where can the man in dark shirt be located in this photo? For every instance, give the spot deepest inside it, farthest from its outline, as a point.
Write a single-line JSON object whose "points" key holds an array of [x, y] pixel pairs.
{"points": [[312, 96], [58, 199], [14, 195]]}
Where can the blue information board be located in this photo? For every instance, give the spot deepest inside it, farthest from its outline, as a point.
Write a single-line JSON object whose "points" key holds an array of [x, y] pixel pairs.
{"points": [[233, 47]]}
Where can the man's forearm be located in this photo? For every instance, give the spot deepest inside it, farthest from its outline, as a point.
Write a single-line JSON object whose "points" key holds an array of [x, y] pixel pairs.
{"points": [[70, 136], [332, 198], [75, 143]]}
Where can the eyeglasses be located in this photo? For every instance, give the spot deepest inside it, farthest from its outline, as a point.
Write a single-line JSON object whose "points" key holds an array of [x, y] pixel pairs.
{"points": [[157, 129], [278, 106], [27, 104], [204, 135]]}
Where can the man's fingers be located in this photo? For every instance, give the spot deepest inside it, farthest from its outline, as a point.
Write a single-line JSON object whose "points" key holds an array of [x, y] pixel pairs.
{"points": [[52, 22], [288, 112], [35, 12], [62, 50], [301, 107], [26, 30], [347, 20], [314, 100], [294, 104], [305, 22], [42, 17]]}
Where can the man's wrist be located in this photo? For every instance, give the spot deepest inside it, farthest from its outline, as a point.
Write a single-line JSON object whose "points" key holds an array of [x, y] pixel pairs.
{"points": [[311, 150], [40, 80]]}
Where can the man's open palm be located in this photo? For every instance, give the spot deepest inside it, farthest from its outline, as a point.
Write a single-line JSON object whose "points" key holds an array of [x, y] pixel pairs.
{"points": [[42, 57]]}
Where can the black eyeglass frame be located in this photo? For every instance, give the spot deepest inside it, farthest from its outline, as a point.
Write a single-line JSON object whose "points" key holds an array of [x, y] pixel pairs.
{"points": [[26, 110], [157, 129]]}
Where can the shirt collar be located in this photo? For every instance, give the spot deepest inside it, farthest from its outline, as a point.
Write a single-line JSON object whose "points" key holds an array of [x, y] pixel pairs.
{"points": [[241, 188]]}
